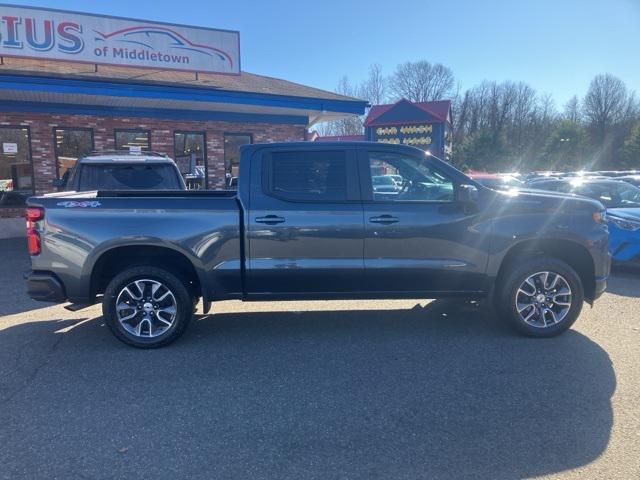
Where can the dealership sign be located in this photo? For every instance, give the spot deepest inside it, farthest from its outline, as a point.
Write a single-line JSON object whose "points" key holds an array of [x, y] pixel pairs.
{"points": [[78, 37]]}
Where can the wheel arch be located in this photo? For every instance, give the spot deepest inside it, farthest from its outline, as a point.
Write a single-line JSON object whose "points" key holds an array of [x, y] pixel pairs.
{"points": [[574, 254], [110, 261]]}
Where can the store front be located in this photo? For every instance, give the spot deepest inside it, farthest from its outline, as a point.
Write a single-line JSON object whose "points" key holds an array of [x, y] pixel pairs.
{"points": [[55, 108]]}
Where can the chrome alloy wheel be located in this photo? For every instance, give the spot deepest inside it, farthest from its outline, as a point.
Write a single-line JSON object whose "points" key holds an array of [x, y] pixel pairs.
{"points": [[146, 308], [543, 299]]}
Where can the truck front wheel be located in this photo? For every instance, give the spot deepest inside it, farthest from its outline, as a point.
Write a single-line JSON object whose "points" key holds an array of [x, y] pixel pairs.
{"points": [[147, 306], [541, 297]]}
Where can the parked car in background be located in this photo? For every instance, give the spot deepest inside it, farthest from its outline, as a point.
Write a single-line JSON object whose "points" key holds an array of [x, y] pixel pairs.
{"points": [[497, 181], [9, 197], [624, 235], [541, 174], [308, 223], [551, 184], [616, 173], [612, 193], [396, 178], [622, 201], [122, 170], [582, 174], [632, 179], [385, 184]]}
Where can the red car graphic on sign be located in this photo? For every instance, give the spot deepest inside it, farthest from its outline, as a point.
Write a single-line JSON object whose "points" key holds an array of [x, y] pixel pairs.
{"points": [[155, 38]]}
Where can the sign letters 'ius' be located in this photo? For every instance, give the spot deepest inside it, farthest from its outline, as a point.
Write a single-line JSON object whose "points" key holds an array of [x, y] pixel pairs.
{"points": [[58, 35]]}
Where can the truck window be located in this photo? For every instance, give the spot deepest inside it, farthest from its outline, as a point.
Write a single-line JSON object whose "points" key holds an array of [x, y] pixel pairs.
{"points": [[308, 176], [398, 177], [128, 177]]}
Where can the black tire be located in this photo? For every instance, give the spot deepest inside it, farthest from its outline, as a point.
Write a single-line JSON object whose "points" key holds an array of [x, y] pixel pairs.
{"points": [[181, 301], [520, 271]]}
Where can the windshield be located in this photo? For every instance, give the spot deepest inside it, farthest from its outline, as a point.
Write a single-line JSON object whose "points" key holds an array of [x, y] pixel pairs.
{"points": [[128, 177], [612, 194]]}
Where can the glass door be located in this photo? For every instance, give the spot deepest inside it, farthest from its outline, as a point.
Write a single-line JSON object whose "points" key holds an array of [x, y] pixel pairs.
{"points": [[16, 170], [191, 157]]}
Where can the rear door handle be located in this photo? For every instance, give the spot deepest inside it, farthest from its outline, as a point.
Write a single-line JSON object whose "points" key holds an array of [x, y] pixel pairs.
{"points": [[270, 219], [384, 219]]}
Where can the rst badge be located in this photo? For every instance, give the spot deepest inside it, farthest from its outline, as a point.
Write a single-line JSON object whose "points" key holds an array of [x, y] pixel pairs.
{"points": [[84, 204]]}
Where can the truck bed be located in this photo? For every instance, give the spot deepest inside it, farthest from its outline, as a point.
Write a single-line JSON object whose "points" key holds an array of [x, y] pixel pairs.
{"points": [[80, 228]]}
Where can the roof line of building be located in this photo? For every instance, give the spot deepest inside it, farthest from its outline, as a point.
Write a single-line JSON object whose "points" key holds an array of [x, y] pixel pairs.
{"points": [[126, 88], [146, 112]]}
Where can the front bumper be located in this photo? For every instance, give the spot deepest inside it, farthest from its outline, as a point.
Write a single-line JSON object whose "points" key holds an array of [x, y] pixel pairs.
{"points": [[624, 245], [45, 287]]}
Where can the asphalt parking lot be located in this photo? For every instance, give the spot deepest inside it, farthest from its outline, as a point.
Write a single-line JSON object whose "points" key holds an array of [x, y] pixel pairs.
{"points": [[326, 390]]}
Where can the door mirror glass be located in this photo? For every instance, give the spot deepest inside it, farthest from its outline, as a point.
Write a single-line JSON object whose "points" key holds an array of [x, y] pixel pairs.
{"points": [[61, 183]]}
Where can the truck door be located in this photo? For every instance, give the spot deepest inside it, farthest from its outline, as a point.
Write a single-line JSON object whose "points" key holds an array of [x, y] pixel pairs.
{"points": [[417, 237], [305, 223]]}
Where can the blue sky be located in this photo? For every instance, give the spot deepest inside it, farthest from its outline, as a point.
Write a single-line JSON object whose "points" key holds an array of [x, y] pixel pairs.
{"points": [[557, 46]]}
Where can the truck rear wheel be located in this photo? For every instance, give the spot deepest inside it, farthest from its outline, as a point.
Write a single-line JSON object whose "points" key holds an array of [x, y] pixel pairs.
{"points": [[147, 306], [541, 297]]}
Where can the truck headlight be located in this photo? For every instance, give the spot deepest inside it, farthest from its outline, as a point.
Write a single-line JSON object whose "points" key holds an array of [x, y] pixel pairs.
{"points": [[600, 217], [623, 223]]}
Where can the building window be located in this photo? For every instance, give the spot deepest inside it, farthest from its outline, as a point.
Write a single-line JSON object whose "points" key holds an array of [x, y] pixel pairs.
{"points": [[232, 143], [71, 144], [16, 169], [133, 140], [191, 157]]}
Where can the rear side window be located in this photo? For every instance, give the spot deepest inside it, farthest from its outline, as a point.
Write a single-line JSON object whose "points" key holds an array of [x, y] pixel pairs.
{"points": [[308, 176], [128, 177]]}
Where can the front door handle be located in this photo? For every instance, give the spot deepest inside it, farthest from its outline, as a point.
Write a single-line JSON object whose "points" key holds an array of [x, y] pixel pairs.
{"points": [[384, 219], [270, 219]]}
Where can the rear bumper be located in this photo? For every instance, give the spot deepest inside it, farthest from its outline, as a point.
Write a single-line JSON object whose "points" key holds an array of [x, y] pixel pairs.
{"points": [[45, 287]]}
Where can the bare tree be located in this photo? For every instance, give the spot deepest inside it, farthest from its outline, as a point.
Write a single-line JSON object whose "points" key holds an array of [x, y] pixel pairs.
{"points": [[507, 125], [374, 89], [605, 104], [523, 109], [545, 115], [421, 81], [477, 100], [572, 110], [345, 126]]}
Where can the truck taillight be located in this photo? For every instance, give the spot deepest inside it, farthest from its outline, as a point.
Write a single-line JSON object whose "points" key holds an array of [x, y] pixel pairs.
{"points": [[33, 237]]}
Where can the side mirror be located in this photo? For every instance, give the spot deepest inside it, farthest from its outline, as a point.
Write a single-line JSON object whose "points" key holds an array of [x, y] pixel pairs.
{"points": [[467, 194], [60, 183]]}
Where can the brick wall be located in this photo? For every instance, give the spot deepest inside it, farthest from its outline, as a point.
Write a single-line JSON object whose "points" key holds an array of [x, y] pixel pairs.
{"points": [[42, 143]]}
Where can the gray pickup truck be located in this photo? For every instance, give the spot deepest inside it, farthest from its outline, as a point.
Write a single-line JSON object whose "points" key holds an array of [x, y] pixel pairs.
{"points": [[122, 170], [307, 222]]}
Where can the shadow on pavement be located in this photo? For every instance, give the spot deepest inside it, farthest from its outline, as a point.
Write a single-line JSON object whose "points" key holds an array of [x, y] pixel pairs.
{"points": [[14, 259], [624, 281], [442, 391]]}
